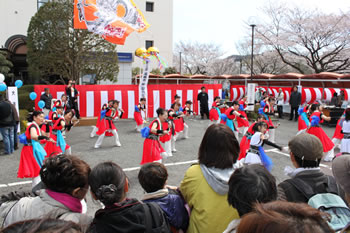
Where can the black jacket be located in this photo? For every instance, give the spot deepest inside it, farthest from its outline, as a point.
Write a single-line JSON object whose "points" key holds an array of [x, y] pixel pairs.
{"points": [[47, 100], [126, 217], [203, 98], [295, 99], [6, 114], [315, 179]]}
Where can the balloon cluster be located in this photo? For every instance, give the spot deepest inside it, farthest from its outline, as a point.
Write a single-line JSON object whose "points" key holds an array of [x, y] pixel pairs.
{"points": [[3, 85], [41, 103], [151, 52]]}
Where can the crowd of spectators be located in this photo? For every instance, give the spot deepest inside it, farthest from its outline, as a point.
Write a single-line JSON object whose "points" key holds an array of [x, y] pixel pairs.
{"points": [[219, 194]]}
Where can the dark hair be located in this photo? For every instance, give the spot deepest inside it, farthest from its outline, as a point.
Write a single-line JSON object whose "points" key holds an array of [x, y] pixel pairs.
{"points": [[335, 94], [47, 225], [271, 98], [46, 89], [110, 101], [142, 99], [307, 163], [64, 173], [258, 125], [107, 181], [216, 97], [188, 102], [347, 114], [203, 87], [260, 116], [235, 103], [160, 111], [219, 147], [264, 92], [177, 97], [69, 111], [152, 177], [31, 116], [115, 102], [64, 95], [286, 217], [251, 184], [314, 107]]}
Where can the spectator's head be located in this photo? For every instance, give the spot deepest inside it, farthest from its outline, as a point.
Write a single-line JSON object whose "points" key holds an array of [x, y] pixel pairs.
{"points": [[335, 94], [162, 114], [153, 177], [203, 88], [37, 117], [46, 225], [108, 183], [143, 100], [219, 147], [341, 172], [286, 217], [295, 88], [347, 114], [47, 90], [66, 174], [306, 150], [249, 185]]}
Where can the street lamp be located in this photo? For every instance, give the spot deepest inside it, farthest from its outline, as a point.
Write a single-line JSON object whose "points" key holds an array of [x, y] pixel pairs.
{"points": [[252, 55], [180, 62]]}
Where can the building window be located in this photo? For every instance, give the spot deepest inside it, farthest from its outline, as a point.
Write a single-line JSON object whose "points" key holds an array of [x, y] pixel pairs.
{"points": [[40, 3], [149, 43], [150, 6]]}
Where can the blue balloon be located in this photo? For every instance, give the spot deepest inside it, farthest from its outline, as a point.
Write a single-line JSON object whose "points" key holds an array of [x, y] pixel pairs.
{"points": [[32, 95], [41, 104], [3, 87], [18, 83]]}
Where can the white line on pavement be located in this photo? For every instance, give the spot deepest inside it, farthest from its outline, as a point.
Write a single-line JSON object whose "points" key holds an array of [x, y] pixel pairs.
{"points": [[19, 183]]}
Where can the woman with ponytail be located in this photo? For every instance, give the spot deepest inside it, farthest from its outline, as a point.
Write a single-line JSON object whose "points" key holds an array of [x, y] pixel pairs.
{"points": [[109, 185]]}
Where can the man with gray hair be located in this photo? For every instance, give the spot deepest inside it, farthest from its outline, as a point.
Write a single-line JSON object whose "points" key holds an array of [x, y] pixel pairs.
{"points": [[46, 97], [306, 152]]}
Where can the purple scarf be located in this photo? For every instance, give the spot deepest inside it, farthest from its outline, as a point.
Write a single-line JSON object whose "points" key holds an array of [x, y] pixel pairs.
{"points": [[67, 200]]}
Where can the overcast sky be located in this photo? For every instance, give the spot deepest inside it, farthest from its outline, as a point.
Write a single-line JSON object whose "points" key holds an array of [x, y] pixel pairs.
{"points": [[222, 21]]}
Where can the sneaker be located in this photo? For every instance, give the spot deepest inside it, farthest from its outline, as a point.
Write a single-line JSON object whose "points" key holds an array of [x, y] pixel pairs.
{"points": [[92, 135], [170, 155], [173, 150], [96, 147], [187, 137], [164, 155], [118, 144]]}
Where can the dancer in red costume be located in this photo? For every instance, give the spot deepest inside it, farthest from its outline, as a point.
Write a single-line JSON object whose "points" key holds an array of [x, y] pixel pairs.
{"points": [[141, 107], [231, 113], [152, 150], [242, 123], [107, 125], [338, 134], [214, 113], [179, 120], [177, 100], [32, 154], [316, 118], [269, 110], [101, 115], [303, 121], [187, 111], [56, 128]]}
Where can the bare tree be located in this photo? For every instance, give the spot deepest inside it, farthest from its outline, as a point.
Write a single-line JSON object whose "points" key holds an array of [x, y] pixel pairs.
{"points": [[307, 38]]}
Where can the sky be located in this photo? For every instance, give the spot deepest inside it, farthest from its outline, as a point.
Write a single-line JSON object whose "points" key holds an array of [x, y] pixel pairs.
{"points": [[223, 21]]}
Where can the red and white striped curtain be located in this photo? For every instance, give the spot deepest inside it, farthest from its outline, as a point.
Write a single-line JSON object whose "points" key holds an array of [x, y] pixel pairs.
{"points": [[308, 95], [92, 97]]}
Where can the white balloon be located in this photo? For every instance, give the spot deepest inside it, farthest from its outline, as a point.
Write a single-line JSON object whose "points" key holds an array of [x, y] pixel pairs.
{"points": [[2, 78]]}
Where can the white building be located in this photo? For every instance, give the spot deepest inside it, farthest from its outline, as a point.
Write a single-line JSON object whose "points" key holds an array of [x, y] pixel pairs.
{"points": [[15, 16]]}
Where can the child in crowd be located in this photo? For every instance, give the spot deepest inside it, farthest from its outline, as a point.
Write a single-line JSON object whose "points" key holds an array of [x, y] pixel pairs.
{"points": [[109, 184], [153, 178]]}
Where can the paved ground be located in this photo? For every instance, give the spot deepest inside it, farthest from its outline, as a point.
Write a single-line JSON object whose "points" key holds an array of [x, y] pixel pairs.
{"points": [[129, 155]]}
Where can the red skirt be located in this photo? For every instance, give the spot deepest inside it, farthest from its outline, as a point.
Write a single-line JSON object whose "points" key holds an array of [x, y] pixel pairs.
{"points": [[28, 166], [179, 125], [52, 149], [138, 118], [242, 122], [105, 125], [325, 140], [301, 124], [337, 133], [244, 147], [151, 151], [213, 115]]}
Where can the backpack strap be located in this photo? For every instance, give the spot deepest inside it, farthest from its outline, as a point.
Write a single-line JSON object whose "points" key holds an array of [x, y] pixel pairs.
{"points": [[148, 218], [332, 186], [302, 187]]}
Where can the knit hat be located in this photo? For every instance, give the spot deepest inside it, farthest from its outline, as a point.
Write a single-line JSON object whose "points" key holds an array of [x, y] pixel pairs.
{"points": [[341, 171], [306, 147]]}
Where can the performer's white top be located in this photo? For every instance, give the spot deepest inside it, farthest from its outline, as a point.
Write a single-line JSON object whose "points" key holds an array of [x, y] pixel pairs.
{"points": [[345, 143], [252, 158]]}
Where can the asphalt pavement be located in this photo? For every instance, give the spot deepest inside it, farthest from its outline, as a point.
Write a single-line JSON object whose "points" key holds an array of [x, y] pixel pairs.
{"points": [[128, 156]]}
